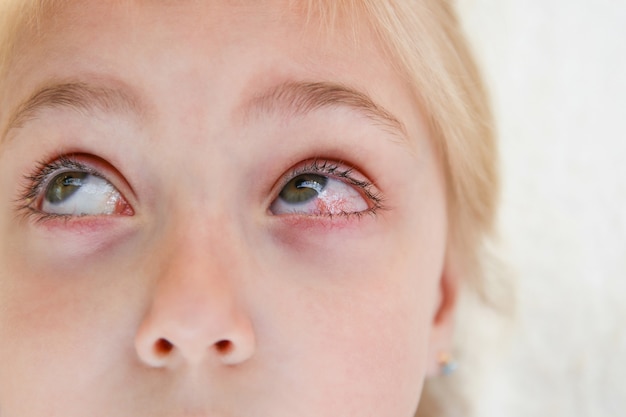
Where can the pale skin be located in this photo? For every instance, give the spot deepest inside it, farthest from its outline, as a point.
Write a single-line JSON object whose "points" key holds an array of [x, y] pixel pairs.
{"points": [[199, 291]]}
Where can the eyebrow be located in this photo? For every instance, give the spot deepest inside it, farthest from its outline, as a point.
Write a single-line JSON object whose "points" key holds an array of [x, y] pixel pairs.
{"points": [[301, 98], [80, 96], [292, 98]]}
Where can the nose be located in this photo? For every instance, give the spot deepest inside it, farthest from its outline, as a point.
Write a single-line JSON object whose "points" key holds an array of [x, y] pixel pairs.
{"points": [[195, 315]]}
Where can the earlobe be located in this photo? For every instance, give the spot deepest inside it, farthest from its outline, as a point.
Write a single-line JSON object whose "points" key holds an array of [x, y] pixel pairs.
{"points": [[442, 329]]}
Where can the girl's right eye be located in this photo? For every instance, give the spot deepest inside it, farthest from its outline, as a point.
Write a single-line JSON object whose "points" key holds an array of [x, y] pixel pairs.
{"points": [[76, 193], [69, 188]]}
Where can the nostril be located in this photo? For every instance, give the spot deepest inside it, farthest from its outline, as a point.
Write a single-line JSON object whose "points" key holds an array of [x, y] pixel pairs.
{"points": [[163, 347], [224, 346]]}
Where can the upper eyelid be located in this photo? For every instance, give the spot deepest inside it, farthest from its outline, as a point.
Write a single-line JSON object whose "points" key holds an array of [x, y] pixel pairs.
{"points": [[315, 166], [339, 170], [46, 171]]}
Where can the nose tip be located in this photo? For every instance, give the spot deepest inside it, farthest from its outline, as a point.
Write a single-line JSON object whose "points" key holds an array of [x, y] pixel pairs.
{"points": [[196, 312], [166, 342]]}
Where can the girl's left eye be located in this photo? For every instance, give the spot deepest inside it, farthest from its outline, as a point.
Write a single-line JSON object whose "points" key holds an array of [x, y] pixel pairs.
{"points": [[313, 193], [77, 193]]}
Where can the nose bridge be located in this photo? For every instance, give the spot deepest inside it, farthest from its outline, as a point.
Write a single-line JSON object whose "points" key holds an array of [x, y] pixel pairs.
{"points": [[196, 309], [200, 243]]}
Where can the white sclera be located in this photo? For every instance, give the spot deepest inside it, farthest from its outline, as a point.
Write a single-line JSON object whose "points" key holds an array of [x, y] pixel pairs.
{"points": [[337, 197], [95, 196]]}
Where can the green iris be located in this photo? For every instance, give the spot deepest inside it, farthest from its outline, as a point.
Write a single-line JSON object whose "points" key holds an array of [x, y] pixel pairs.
{"points": [[303, 188], [64, 185]]}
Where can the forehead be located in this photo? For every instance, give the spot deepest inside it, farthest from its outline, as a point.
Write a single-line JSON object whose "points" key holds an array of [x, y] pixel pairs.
{"points": [[211, 48], [204, 27], [97, 33]]}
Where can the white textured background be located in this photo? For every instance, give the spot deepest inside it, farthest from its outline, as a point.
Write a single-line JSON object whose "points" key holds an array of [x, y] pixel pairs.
{"points": [[557, 73]]}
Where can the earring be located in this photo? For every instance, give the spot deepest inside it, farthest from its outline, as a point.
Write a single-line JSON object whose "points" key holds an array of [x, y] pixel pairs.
{"points": [[447, 365]]}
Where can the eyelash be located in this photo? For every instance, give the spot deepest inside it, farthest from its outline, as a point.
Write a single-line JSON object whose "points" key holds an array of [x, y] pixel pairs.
{"points": [[44, 171], [343, 173], [38, 180]]}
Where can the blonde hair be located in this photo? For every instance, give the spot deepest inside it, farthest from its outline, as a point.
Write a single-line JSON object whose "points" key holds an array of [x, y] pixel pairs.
{"points": [[424, 40]]}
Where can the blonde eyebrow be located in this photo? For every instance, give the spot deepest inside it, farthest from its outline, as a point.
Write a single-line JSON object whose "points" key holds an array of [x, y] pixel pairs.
{"points": [[295, 98], [80, 96], [301, 98]]}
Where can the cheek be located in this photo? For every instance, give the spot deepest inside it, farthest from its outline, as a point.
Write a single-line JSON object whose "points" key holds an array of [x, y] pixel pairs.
{"points": [[354, 321], [362, 350], [66, 325]]}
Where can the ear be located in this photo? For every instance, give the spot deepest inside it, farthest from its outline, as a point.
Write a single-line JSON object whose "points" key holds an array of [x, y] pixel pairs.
{"points": [[442, 328]]}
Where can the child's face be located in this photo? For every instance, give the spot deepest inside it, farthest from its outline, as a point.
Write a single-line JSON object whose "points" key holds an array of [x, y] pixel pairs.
{"points": [[202, 214]]}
